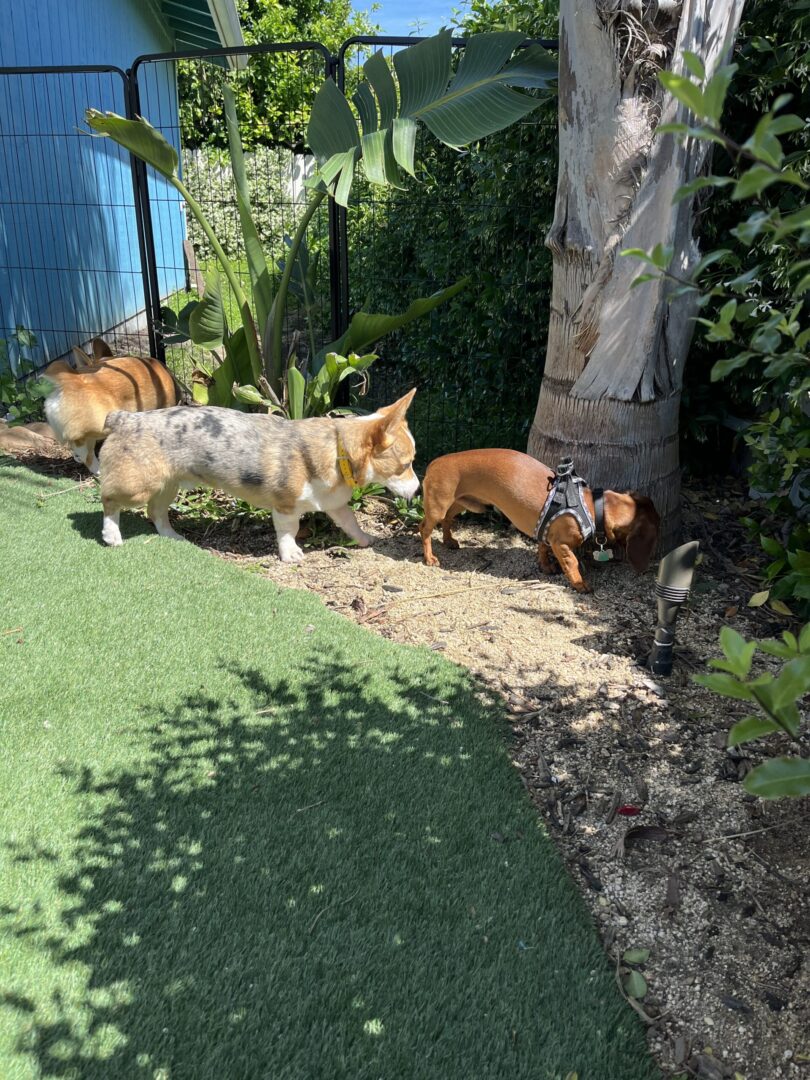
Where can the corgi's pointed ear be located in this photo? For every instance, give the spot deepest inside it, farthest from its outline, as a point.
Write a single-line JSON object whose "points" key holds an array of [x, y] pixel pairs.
{"points": [[101, 349], [391, 416], [79, 359], [396, 412]]}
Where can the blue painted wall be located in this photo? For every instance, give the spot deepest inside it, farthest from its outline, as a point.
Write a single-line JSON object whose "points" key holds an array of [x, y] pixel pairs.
{"points": [[69, 260]]}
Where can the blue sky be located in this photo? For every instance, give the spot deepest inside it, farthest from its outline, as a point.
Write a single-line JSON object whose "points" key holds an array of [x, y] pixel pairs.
{"points": [[397, 17]]}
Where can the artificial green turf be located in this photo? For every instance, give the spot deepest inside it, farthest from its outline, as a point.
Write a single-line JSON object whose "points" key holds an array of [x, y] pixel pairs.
{"points": [[242, 837]]}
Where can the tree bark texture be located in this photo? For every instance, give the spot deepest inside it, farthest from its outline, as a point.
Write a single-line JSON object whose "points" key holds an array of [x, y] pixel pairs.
{"points": [[614, 365]]}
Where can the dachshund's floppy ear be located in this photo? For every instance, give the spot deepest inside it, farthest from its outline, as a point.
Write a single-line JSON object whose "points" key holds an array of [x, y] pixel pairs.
{"points": [[643, 536]]}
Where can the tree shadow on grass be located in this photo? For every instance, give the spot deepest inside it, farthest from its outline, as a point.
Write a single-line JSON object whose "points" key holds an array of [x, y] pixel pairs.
{"points": [[327, 874]]}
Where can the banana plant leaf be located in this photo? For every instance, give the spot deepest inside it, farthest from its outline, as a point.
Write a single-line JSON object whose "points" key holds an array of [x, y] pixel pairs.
{"points": [[365, 328], [137, 136], [206, 324], [482, 97], [296, 391], [234, 369], [257, 263]]}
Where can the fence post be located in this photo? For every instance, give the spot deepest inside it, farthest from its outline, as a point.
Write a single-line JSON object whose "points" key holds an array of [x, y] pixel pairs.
{"points": [[146, 235]]}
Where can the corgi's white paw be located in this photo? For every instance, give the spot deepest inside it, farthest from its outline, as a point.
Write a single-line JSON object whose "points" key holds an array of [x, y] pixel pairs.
{"points": [[365, 540], [111, 534], [290, 553], [93, 467]]}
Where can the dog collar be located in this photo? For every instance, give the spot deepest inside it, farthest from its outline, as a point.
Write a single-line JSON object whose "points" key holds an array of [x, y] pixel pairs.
{"points": [[345, 465]]}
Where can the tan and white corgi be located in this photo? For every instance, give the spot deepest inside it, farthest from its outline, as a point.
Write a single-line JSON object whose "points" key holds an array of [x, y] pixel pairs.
{"points": [[87, 389], [289, 466]]}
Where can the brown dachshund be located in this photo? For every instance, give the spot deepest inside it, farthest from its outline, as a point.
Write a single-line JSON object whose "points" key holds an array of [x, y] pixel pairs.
{"points": [[518, 485]]}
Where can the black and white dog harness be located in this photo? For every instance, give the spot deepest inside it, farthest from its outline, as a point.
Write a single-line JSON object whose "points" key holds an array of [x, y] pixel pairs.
{"points": [[565, 497]]}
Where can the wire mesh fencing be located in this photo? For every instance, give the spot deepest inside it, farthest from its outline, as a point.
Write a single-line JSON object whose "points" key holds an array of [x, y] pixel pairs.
{"points": [[183, 99], [71, 245]]}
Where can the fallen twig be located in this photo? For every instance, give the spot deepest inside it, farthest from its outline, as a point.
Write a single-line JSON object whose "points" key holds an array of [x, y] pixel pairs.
{"points": [[13, 630], [310, 806], [755, 832], [66, 491], [469, 588]]}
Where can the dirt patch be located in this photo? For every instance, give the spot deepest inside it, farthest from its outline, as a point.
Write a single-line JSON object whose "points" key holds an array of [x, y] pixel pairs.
{"points": [[630, 775]]}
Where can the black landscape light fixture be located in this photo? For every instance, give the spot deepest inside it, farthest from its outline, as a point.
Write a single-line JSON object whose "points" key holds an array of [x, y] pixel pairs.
{"points": [[672, 586]]}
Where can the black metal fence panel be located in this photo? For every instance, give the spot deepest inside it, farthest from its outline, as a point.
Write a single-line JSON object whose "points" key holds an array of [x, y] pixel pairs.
{"points": [[181, 95], [71, 245]]}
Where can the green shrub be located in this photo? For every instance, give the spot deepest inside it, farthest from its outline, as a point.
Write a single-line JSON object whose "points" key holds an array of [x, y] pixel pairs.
{"points": [[21, 396], [777, 700], [753, 301]]}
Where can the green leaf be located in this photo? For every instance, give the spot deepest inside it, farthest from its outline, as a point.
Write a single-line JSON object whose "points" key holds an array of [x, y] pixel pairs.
{"points": [[754, 181], [636, 956], [638, 253], [694, 64], [367, 108], [423, 72], [698, 184], [635, 985], [379, 75], [365, 329], [752, 727], [709, 259], [480, 99], [792, 683], [344, 183], [794, 222], [296, 389], [685, 91], [726, 685], [714, 95], [25, 338], [207, 322], [661, 255], [782, 125], [257, 264], [759, 598], [248, 394], [404, 143], [779, 777], [137, 136], [780, 607], [332, 128], [738, 651], [724, 367]]}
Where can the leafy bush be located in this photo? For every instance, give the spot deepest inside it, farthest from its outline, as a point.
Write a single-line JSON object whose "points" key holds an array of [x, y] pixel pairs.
{"points": [[21, 396], [274, 96], [777, 698], [754, 303], [772, 52], [483, 214]]}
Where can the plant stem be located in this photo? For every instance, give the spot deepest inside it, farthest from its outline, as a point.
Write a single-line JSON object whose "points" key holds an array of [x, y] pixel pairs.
{"points": [[244, 307], [276, 359]]}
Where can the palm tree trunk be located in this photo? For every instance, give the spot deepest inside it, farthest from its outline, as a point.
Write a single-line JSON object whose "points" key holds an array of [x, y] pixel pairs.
{"points": [[614, 365]]}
